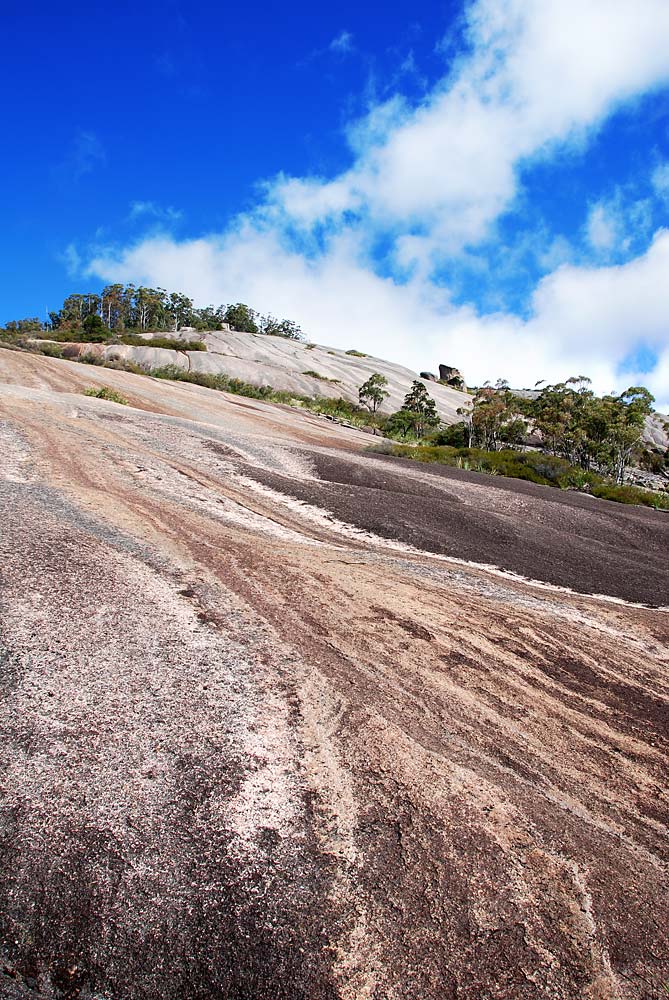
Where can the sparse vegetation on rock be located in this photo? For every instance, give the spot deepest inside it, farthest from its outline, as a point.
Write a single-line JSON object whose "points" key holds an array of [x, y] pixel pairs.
{"points": [[531, 466], [372, 392], [568, 420], [321, 378], [417, 415], [105, 392]]}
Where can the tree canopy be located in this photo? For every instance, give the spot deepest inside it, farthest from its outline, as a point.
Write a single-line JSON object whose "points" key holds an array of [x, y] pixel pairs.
{"points": [[421, 407], [372, 392], [119, 308], [566, 419]]}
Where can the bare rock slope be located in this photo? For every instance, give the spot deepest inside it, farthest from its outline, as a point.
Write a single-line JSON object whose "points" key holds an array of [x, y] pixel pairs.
{"points": [[281, 719], [286, 364]]}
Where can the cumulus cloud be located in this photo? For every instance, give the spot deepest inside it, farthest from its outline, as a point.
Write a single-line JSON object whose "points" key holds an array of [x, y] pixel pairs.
{"points": [[618, 224], [428, 182], [536, 74], [580, 321]]}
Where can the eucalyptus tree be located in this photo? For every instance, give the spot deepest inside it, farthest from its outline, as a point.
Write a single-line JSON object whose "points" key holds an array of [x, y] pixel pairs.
{"points": [[372, 392]]}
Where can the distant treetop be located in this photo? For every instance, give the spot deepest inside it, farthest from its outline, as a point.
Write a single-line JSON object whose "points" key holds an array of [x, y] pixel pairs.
{"points": [[126, 308]]}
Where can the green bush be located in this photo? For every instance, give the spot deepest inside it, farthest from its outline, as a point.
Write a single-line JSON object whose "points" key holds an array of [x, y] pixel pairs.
{"points": [[631, 494], [209, 380], [338, 407], [104, 392], [357, 354], [99, 334], [50, 350], [653, 460], [321, 378], [168, 343], [454, 435], [122, 365], [93, 330], [530, 466]]}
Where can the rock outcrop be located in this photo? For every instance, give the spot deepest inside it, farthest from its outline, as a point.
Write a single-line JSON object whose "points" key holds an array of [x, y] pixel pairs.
{"points": [[285, 720], [451, 376], [287, 365]]}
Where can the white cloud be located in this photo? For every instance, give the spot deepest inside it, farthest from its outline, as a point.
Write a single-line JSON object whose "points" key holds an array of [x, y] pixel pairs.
{"points": [[619, 224], [602, 228], [660, 181], [343, 42], [144, 209], [430, 181], [538, 73], [72, 260], [583, 320]]}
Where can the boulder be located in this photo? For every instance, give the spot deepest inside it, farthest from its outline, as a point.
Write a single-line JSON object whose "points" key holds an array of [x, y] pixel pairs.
{"points": [[451, 376], [429, 376]]}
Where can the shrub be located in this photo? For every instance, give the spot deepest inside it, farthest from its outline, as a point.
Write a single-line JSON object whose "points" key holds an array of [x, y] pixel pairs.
{"points": [[454, 435], [653, 461], [321, 378], [357, 354], [104, 392], [50, 350], [209, 380], [631, 494], [530, 466], [168, 343], [122, 365]]}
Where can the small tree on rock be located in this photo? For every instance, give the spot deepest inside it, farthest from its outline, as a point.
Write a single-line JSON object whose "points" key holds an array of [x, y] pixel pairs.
{"points": [[401, 424], [273, 327], [421, 405], [372, 392]]}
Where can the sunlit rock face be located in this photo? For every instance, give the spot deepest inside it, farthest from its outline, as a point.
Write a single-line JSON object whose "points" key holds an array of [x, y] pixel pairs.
{"points": [[281, 718], [285, 364]]}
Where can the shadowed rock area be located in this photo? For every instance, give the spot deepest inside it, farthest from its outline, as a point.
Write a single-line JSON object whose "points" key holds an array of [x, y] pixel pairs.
{"points": [[281, 719]]}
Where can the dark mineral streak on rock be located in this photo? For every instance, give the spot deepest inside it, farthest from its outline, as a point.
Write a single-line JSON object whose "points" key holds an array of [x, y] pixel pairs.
{"points": [[156, 897], [257, 741]]}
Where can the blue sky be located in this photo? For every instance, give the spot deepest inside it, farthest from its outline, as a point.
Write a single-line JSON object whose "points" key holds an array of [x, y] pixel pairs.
{"points": [[484, 184]]}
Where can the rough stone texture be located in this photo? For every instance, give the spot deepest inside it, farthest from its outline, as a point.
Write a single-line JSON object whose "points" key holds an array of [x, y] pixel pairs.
{"points": [[453, 376], [657, 431], [271, 729], [281, 363]]}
